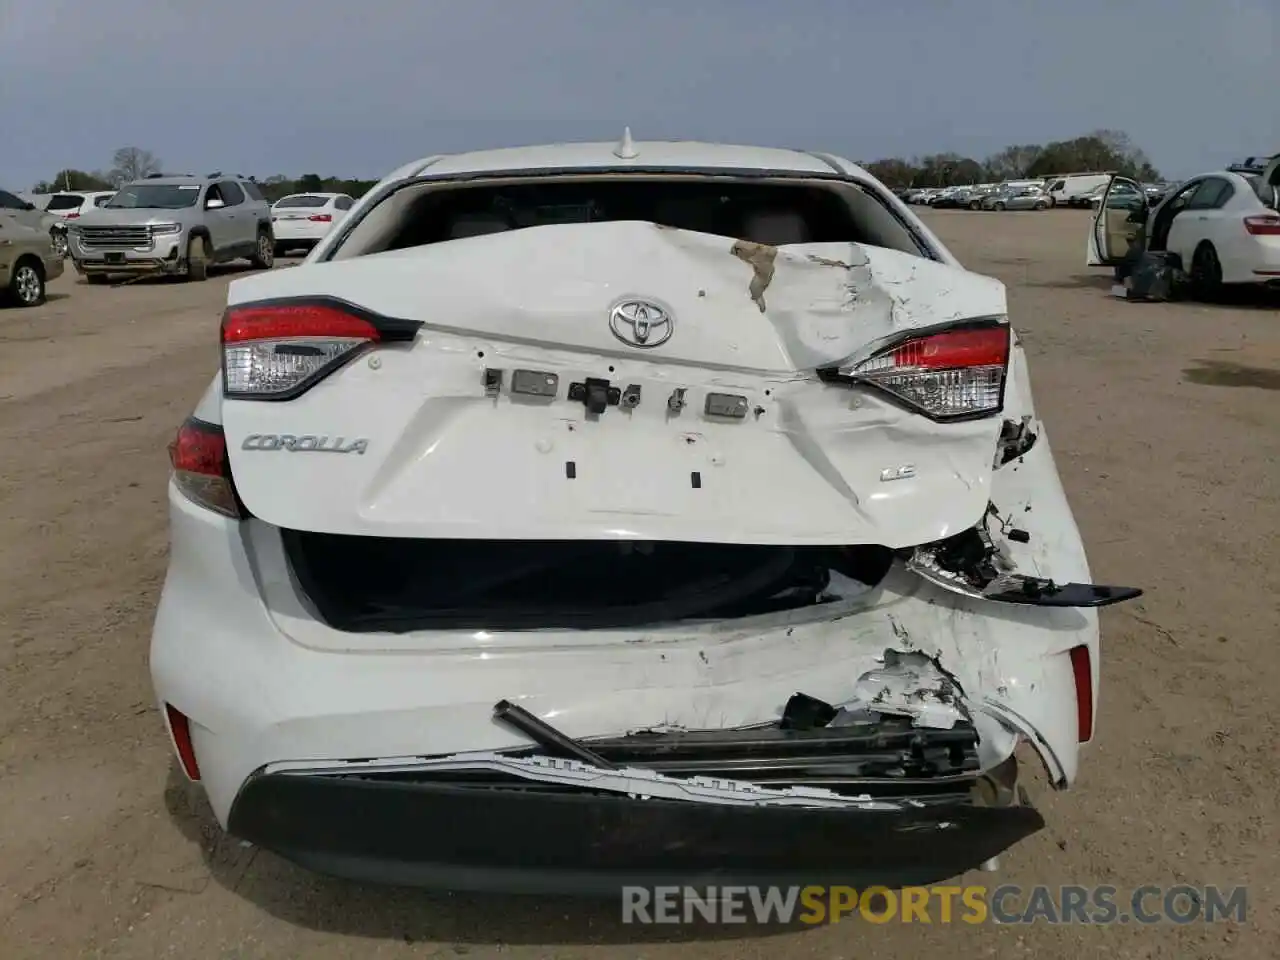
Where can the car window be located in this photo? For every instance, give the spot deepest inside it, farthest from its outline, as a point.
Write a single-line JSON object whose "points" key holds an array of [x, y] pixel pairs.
{"points": [[302, 200], [102, 201], [65, 201], [252, 190], [1123, 196], [344, 203], [772, 213], [155, 196], [231, 192], [1181, 198], [1212, 195], [9, 201], [1058, 185]]}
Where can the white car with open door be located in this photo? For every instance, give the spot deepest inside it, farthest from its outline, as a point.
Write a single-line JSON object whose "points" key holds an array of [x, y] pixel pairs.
{"points": [[591, 512], [301, 220], [1224, 226]]}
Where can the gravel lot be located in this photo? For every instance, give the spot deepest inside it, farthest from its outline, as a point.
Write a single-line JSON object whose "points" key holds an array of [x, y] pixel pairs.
{"points": [[1166, 424]]}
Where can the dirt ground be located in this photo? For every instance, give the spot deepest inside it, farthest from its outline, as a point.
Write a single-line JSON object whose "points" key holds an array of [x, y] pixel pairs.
{"points": [[1166, 425]]}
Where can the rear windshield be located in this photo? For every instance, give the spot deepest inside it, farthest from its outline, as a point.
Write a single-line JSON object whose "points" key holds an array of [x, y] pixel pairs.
{"points": [[155, 196], [1268, 194], [768, 212], [302, 201], [65, 201]]}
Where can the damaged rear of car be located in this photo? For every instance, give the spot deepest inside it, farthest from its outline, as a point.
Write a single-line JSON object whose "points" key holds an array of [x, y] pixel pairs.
{"points": [[564, 522]]}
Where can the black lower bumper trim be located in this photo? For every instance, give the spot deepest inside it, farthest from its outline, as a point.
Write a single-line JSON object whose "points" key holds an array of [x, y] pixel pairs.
{"points": [[528, 841]]}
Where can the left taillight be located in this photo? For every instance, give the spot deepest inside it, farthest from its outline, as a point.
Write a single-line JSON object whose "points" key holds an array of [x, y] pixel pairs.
{"points": [[276, 350], [957, 373], [1266, 225], [202, 470]]}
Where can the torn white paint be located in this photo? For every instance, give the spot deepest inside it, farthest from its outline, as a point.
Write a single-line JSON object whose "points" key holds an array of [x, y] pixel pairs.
{"points": [[909, 685]]}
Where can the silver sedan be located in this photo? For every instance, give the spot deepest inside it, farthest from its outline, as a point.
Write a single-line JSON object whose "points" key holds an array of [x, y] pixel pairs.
{"points": [[1028, 198]]}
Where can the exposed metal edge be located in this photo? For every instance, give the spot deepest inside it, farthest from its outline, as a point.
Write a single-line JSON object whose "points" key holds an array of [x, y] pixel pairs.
{"points": [[1011, 718]]}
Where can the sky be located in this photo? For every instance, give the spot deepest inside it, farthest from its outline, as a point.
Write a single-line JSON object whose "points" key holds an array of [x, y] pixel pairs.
{"points": [[355, 89]]}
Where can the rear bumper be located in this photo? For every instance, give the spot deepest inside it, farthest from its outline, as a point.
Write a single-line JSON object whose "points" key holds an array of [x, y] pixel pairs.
{"points": [[291, 232], [135, 266], [512, 841]]}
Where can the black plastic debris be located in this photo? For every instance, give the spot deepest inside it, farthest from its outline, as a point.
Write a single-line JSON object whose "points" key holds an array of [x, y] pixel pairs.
{"points": [[1153, 276], [804, 712]]}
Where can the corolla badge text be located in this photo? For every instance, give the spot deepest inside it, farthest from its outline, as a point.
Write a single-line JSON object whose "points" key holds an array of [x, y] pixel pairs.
{"points": [[309, 443]]}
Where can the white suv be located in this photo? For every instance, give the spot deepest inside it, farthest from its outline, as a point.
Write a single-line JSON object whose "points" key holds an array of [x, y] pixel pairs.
{"points": [[590, 512]]}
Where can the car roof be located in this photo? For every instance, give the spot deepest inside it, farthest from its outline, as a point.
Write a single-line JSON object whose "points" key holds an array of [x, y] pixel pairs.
{"points": [[311, 193], [170, 181], [677, 154]]}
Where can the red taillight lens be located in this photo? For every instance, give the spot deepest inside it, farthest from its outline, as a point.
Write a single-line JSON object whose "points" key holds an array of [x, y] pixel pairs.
{"points": [[1082, 670], [321, 218], [277, 349], [180, 731], [73, 216], [957, 373], [1263, 225], [290, 320], [201, 468]]}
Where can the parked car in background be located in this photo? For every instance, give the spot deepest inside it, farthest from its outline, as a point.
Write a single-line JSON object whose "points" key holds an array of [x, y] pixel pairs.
{"points": [[70, 206], [25, 212], [1155, 192], [1223, 227], [28, 262], [1073, 190], [481, 571], [1017, 198], [173, 225], [1125, 192], [962, 198], [301, 220]]}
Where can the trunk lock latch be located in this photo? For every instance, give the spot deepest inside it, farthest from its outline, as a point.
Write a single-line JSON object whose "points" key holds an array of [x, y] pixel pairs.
{"points": [[595, 394]]}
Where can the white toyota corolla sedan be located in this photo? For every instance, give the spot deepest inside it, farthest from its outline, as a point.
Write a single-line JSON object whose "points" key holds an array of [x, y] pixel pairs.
{"points": [[634, 512]]}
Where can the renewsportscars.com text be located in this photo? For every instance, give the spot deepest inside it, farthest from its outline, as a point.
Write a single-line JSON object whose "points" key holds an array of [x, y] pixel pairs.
{"points": [[973, 904]]}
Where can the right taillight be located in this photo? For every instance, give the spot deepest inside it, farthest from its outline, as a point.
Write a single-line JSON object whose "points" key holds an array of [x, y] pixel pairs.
{"points": [[957, 373], [201, 469], [1263, 225], [277, 349]]}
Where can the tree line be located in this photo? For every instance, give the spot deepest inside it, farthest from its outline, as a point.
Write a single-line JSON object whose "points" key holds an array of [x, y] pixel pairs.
{"points": [[133, 163], [1103, 151]]}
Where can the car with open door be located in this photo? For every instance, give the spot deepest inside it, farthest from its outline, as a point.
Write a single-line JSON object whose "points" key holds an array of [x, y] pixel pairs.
{"points": [[588, 512], [1223, 227]]}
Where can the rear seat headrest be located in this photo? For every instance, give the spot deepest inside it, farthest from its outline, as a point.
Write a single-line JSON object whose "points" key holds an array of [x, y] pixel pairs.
{"points": [[775, 227], [476, 224]]}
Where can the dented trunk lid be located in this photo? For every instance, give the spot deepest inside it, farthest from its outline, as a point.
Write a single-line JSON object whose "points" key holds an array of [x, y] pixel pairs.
{"points": [[435, 454]]}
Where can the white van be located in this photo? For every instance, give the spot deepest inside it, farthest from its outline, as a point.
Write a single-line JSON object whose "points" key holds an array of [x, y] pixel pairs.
{"points": [[1073, 189]]}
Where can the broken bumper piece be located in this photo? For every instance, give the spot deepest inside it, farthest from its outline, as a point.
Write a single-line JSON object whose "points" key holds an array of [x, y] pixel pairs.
{"points": [[976, 563], [537, 824]]}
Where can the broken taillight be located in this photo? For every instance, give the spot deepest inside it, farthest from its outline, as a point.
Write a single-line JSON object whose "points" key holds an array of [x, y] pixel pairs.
{"points": [[201, 469], [956, 373], [277, 349], [1263, 225]]}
